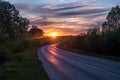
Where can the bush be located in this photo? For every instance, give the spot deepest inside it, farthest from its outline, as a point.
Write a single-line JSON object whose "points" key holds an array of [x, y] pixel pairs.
{"points": [[5, 53]]}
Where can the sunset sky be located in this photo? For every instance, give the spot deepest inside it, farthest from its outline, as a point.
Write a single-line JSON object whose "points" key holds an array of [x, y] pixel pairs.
{"points": [[66, 17]]}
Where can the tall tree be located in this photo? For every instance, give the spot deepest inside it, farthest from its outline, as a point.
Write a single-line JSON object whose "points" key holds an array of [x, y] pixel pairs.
{"points": [[11, 23], [113, 20]]}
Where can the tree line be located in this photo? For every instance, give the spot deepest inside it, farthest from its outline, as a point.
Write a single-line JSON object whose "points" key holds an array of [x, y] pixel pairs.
{"points": [[105, 41]]}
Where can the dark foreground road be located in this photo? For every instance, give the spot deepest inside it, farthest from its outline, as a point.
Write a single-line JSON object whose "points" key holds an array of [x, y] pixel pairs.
{"points": [[63, 65]]}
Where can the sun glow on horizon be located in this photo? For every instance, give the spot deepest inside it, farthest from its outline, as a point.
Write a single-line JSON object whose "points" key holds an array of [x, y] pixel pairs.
{"points": [[54, 34]]}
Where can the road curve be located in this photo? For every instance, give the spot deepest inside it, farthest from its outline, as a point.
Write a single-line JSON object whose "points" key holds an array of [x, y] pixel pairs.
{"points": [[63, 65]]}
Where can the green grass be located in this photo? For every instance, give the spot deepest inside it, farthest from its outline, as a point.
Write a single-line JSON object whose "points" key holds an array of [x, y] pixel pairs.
{"points": [[24, 65]]}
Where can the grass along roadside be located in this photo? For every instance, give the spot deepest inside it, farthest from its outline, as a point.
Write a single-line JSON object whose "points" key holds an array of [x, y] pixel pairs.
{"points": [[24, 65]]}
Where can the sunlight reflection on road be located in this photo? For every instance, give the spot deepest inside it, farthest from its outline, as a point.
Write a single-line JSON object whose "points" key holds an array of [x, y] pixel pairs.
{"points": [[62, 65], [53, 60]]}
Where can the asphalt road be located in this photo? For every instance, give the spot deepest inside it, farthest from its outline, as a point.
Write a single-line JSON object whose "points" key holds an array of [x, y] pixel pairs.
{"points": [[63, 65]]}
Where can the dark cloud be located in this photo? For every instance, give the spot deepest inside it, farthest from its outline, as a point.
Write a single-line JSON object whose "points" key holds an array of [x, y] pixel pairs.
{"points": [[47, 8], [45, 23], [68, 7], [82, 12], [51, 10], [23, 6], [96, 15]]}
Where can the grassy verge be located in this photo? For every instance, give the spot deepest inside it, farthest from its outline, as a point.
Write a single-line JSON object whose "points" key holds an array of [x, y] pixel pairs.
{"points": [[89, 53], [25, 64]]}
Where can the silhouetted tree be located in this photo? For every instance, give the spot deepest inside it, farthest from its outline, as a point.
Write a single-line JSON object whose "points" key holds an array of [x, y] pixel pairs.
{"points": [[35, 31], [113, 20], [11, 23]]}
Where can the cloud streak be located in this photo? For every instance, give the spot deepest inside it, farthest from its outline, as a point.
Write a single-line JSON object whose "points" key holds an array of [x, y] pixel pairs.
{"points": [[82, 12], [78, 15]]}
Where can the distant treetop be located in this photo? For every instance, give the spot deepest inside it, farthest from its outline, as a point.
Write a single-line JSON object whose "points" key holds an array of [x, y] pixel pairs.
{"points": [[35, 31]]}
